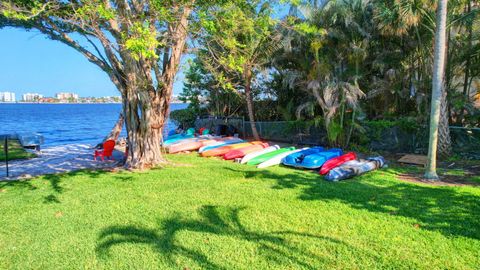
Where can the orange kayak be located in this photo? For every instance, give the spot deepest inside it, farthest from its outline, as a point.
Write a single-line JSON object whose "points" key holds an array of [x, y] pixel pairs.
{"points": [[189, 146], [220, 151], [241, 152]]}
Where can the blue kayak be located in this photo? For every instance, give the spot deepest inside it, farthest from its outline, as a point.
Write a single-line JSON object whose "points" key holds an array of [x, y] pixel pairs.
{"points": [[176, 139], [312, 158]]}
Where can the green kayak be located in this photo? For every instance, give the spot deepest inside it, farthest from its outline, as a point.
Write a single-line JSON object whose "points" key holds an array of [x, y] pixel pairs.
{"points": [[270, 155]]}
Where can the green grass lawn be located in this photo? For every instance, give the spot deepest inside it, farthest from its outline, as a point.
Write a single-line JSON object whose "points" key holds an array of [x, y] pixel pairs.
{"points": [[212, 214], [15, 151]]}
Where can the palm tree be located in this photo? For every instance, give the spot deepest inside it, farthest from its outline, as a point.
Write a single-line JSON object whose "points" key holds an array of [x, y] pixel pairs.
{"points": [[437, 87], [333, 39]]}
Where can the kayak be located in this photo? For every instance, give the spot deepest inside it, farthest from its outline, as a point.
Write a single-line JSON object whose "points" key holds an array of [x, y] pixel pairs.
{"points": [[355, 167], [190, 131], [174, 140], [220, 144], [175, 136], [188, 138], [335, 162], [220, 151], [189, 145], [312, 158], [241, 152], [267, 156], [211, 146], [250, 156], [277, 160], [198, 138]]}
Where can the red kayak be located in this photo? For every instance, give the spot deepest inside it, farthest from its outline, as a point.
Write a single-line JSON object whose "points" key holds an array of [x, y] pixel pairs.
{"points": [[335, 162], [241, 152]]}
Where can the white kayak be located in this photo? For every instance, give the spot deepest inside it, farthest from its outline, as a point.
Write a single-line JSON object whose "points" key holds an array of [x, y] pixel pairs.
{"points": [[269, 149], [213, 144], [276, 160]]}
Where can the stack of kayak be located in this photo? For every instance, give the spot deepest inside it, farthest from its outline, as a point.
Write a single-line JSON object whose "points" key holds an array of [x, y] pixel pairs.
{"points": [[332, 163]]}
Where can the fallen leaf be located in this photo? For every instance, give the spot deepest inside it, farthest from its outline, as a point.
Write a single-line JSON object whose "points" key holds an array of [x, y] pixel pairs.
{"points": [[416, 225], [3, 190], [58, 214]]}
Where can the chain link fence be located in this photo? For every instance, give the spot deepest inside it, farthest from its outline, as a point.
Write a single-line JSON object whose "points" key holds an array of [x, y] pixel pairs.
{"points": [[211, 122], [288, 132], [466, 142]]}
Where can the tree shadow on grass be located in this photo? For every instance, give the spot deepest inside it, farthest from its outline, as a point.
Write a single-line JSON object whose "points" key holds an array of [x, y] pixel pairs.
{"points": [[448, 210], [55, 182], [220, 221], [25, 185]]}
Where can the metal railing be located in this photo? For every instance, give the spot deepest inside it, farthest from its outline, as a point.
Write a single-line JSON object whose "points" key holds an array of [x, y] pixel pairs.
{"points": [[5, 139]]}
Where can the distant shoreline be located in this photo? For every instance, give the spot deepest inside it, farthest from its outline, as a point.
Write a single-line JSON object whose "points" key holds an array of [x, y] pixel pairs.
{"points": [[80, 103], [60, 103]]}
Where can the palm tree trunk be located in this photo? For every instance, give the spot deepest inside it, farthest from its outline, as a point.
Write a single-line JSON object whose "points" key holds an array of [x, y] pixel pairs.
{"points": [[437, 84], [350, 132], [466, 96], [249, 99], [444, 140], [444, 147]]}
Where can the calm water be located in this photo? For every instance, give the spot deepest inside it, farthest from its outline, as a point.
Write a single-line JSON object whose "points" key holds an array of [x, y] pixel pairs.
{"points": [[64, 123]]}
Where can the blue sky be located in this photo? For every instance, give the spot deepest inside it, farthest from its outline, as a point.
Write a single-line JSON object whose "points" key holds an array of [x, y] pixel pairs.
{"points": [[29, 62]]}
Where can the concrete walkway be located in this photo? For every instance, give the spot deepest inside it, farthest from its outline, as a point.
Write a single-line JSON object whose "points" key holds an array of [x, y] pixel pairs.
{"points": [[58, 159]]}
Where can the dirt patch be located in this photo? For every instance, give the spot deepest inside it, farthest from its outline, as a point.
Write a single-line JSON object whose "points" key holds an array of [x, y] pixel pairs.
{"points": [[445, 180], [445, 169], [472, 166]]}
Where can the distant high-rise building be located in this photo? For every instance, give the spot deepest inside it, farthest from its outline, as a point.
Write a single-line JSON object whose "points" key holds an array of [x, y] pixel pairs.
{"points": [[7, 97], [31, 97], [66, 96]]}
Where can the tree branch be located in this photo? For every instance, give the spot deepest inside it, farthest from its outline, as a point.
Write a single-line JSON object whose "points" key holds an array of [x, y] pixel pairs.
{"points": [[56, 34]]}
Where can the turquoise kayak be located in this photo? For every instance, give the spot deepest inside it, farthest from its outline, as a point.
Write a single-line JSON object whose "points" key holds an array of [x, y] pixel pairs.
{"points": [[190, 131], [176, 136], [177, 139]]}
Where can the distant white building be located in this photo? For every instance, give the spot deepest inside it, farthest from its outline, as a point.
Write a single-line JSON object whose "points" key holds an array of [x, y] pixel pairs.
{"points": [[66, 96], [31, 97], [7, 97]]}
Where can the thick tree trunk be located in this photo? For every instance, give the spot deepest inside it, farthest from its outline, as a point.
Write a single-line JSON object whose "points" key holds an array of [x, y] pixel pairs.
{"points": [[437, 85], [144, 129], [251, 114], [115, 132], [146, 108]]}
